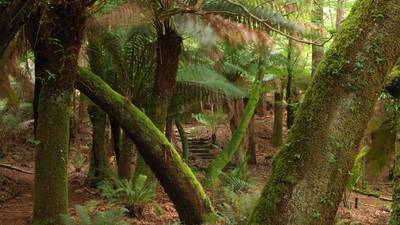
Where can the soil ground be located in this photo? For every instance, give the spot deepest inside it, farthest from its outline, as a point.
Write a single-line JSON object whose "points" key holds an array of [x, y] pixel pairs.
{"points": [[16, 187]]}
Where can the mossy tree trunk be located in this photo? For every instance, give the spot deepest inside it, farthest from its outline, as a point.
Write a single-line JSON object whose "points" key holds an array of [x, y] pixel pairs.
{"points": [[98, 159], [277, 132], [215, 168], [56, 54], [395, 215], [312, 167], [317, 18], [184, 139], [169, 45], [251, 153], [177, 179]]}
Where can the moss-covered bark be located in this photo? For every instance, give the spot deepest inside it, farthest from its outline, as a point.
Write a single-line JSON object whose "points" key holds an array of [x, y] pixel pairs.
{"points": [[252, 150], [98, 159], [179, 182], [395, 216], [215, 167], [56, 53], [184, 139], [311, 169]]}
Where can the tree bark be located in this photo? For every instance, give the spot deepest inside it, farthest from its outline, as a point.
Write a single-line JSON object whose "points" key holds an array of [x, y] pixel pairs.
{"points": [[177, 179], [13, 14], [311, 169], [289, 98], [339, 13], [56, 53], [184, 139], [98, 159], [116, 138], [395, 215], [169, 46], [251, 153], [277, 133], [317, 18], [125, 158], [215, 168]]}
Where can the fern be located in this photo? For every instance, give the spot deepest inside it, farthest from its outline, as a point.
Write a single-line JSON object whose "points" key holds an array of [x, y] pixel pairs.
{"points": [[89, 215], [115, 189]]}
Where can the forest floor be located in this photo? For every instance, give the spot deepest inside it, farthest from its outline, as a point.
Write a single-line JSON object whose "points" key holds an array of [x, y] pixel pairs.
{"points": [[16, 187]]}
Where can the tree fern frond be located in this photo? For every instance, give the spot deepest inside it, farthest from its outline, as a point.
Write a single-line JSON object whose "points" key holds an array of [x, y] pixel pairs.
{"points": [[132, 13]]}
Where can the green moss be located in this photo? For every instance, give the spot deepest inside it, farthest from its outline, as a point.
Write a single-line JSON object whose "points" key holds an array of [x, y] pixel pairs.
{"points": [[330, 120], [51, 182], [178, 180]]}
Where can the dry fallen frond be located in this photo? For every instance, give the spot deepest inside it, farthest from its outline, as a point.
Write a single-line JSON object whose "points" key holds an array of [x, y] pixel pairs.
{"points": [[131, 14]]}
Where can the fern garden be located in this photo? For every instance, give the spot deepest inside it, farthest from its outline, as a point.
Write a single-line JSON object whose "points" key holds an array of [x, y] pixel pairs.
{"points": [[236, 112]]}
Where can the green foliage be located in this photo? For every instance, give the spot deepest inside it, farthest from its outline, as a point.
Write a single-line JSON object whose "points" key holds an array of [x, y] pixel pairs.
{"points": [[89, 215], [210, 119], [9, 119], [206, 76], [238, 179], [237, 208], [358, 170], [136, 192]]}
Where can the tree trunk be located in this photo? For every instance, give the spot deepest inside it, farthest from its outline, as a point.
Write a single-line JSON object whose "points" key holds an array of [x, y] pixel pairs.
{"points": [[289, 98], [395, 216], [169, 129], [116, 139], [317, 18], [56, 53], [98, 159], [251, 153], [339, 13], [215, 168], [168, 50], [184, 139], [277, 133], [179, 182], [125, 158], [13, 14], [311, 169]]}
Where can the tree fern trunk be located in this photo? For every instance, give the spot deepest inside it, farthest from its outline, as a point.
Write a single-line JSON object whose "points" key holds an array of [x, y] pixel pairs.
{"points": [[177, 179], [98, 159], [277, 133], [125, 158], [251, 153], [168, 50], [216, 166], [116, 138], [312, 167], [184, 139]]}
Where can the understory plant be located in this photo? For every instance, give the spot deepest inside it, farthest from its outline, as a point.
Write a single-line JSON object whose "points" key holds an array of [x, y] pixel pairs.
{"points": [[239, 194], [126, 192], [88, 214]]}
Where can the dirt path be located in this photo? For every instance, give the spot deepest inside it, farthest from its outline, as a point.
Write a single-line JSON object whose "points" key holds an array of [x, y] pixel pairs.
{"points": [[18, 209]]}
